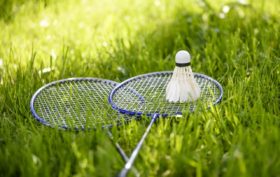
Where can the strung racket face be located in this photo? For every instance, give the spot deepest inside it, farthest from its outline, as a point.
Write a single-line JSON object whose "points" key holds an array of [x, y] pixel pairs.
{"points": [[77, 103], [145, 94]]}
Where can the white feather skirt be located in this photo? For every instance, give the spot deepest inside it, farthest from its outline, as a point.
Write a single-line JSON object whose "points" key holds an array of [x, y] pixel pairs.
{"points": [[182, 86]]}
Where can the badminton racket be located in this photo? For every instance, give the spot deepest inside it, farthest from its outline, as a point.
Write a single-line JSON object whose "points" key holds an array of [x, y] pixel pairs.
{"points": [[78, 104], [145, 95]]}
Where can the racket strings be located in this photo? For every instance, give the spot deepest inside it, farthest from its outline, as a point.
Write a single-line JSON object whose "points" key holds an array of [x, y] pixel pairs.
{"points": [[76, 104], [152, 91]]}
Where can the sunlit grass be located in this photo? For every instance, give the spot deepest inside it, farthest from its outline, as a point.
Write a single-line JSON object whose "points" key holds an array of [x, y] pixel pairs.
{"points": [[235, 42]]}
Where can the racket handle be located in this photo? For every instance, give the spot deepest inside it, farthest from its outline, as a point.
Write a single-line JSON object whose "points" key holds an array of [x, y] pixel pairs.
{"points": [[135, 152]]}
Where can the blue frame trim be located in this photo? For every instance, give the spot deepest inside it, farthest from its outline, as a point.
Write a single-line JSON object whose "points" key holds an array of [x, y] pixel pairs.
{"points": [[75, 79], [122, 84]]}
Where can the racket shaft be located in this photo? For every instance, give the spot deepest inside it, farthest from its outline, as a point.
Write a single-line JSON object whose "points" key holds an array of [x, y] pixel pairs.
{"points": [[135, 152], [121, 152]]}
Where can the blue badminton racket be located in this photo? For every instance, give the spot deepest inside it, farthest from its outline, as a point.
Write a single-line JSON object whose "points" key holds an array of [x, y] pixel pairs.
{"points": [[145, 95], [78, 104]]}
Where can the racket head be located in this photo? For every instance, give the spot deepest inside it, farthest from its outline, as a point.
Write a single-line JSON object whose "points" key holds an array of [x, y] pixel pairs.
{"points": [[145, 95], [75, 103]]}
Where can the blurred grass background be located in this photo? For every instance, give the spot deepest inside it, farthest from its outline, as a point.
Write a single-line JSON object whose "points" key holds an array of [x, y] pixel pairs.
{"points": [[235, 42]]}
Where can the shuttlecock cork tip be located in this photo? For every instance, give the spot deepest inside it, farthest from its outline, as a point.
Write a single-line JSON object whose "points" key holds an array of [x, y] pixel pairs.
{"points": [[183, 57]]}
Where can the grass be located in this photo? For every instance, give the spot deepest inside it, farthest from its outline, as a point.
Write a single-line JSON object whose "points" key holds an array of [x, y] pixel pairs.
{"points": [[236, 43]]}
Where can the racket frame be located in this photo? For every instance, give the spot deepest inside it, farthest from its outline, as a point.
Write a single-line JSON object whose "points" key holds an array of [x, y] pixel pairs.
{"points": [[139, 77], [154, 115], [76, 79]]}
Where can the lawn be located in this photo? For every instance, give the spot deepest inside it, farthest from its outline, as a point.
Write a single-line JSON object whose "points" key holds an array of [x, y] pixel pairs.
{"points": [[235, 42]]}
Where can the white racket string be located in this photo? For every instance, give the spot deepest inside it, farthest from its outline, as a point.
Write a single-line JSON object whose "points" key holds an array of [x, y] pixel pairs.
{"points": [[75, 103], [151, 88]]}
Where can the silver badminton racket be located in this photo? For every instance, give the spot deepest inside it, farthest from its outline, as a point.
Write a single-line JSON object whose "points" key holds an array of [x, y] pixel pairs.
{"points": [[78, 104], [145, 95]]}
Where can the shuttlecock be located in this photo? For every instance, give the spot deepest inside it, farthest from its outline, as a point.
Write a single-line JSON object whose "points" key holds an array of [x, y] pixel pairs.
{"points": [[182, 87]]}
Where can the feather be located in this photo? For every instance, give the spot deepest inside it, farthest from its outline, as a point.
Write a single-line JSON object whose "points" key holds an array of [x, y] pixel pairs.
{"points": [[182, 86]]}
